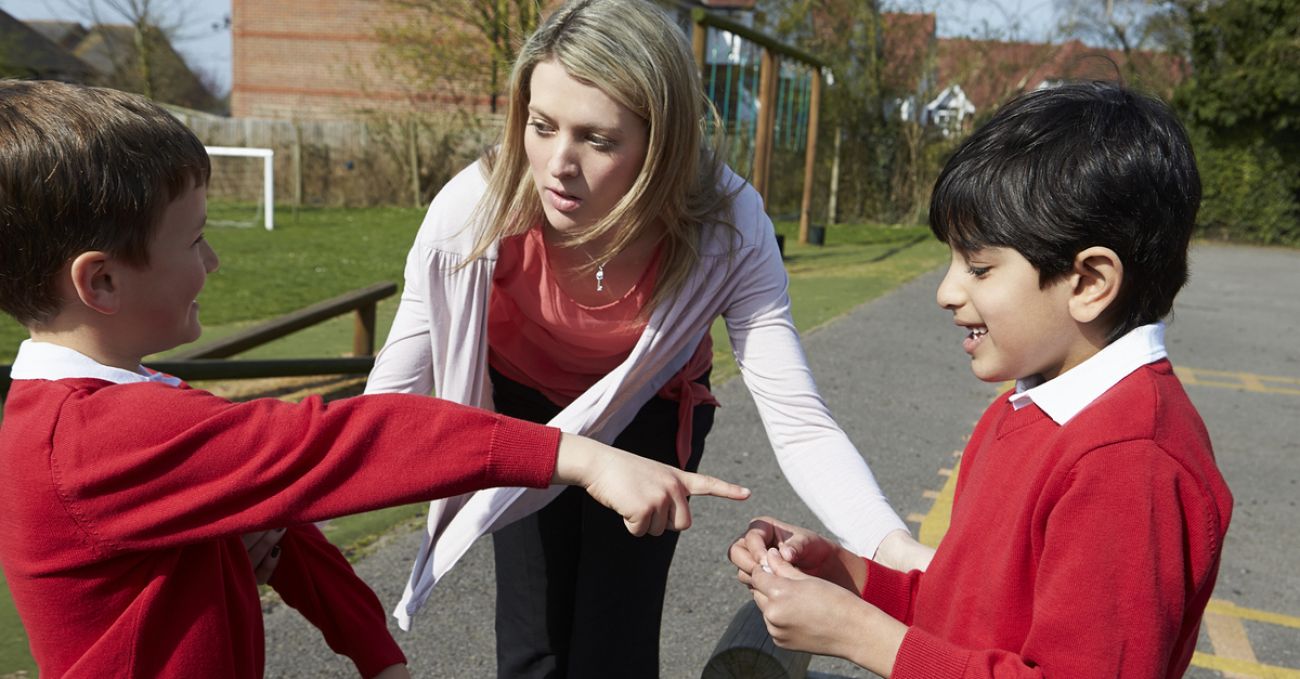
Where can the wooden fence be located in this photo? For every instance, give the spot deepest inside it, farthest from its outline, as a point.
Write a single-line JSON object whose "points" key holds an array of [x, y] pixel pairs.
{"points": [[374, 160]]}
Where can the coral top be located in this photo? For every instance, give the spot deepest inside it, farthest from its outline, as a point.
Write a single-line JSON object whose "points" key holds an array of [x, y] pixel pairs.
{"points": [[540, 337]]}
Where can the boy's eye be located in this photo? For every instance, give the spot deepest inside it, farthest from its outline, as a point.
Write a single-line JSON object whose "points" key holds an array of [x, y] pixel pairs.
{"points": [[978, 271]]}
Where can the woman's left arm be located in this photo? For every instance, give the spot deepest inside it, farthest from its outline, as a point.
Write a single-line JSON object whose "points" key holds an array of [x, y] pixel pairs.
{"points": [[816, 456]]}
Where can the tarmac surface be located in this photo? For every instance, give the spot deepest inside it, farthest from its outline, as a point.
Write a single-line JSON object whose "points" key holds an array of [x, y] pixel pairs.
{"points": [[895, 377]]}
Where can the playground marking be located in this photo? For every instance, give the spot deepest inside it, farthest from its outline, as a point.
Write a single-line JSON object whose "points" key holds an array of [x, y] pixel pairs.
{"points": [[1233, 654], [1242, 668], [1241, 381]]}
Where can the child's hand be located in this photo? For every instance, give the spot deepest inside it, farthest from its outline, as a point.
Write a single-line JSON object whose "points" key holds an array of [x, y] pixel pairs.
{"points": [[263, 552], [806, 613], [650, 496], [805, 549]]}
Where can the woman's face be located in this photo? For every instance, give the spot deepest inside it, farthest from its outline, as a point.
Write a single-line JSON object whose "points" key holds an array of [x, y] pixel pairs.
{"points": [[584, 148]]}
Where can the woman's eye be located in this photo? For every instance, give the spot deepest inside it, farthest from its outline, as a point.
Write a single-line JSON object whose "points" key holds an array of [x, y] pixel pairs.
{"points": [[540, 127], [601, 143]]}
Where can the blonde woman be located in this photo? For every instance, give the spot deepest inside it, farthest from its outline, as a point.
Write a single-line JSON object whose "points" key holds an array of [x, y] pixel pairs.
{"points": [[571, 277]]}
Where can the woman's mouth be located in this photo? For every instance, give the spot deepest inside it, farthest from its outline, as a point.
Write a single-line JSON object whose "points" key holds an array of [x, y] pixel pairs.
{"points": [[562, 201]]}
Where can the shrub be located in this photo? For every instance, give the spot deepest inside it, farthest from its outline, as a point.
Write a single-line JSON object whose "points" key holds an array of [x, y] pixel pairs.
{"points": [[1248, 193]]}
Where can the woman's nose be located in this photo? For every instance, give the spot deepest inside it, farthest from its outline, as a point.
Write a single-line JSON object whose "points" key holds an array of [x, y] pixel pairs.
{"points": [[563, 162]]}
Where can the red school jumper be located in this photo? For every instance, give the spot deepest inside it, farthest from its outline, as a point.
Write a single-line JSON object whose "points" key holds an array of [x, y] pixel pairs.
{"points": [[1083, 550], [124, 503]]}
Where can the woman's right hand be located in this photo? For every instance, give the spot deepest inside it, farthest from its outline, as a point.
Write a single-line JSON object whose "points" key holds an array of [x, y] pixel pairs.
{"points": [[651, 497]]}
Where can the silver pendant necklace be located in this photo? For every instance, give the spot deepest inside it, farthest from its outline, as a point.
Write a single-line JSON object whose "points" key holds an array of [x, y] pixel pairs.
{"points": [[600, 277]]}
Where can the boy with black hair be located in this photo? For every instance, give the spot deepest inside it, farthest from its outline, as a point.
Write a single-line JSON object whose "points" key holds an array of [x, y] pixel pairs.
{"points": [[126, 491], [1089, 515]]}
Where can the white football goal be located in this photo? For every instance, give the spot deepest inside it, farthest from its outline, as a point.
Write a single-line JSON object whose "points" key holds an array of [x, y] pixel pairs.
{"points": [[234, 183]]}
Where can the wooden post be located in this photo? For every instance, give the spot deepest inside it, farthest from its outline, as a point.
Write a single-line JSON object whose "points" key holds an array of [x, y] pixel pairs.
{"points": [[832, 207], [363, 337], [746, 651], [810, 156], [763, 133], [773, 77], [297, 164], [699, 43], [413, 153]]}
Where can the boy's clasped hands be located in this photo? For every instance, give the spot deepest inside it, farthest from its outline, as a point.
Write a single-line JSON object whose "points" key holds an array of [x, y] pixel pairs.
{"points": [[808, 590]]}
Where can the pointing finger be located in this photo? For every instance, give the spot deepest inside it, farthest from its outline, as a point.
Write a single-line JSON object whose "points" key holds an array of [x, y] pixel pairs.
{"points": [[703, 484]]}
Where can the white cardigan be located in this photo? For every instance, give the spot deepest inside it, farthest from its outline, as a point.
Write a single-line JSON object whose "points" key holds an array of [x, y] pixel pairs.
{"points": [[438, 344]]}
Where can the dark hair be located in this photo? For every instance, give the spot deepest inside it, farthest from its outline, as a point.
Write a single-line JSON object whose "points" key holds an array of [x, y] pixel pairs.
{"points": [[81, 169], [1086, 164]]}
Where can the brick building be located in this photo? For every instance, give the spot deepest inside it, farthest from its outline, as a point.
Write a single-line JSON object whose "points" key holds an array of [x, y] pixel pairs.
{"points": [[324, 59], [311, 59]]}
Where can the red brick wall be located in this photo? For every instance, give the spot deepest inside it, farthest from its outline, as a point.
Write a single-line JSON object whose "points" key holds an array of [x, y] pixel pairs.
{"points": [[314, 59]]}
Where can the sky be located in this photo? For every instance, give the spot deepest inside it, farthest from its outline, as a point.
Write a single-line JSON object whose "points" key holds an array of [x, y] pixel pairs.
{"points": [[204, 38], [203, 46]]}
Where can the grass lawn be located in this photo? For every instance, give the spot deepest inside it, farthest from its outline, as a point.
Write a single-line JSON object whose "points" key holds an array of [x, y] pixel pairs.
{"points": [[325, 252]]}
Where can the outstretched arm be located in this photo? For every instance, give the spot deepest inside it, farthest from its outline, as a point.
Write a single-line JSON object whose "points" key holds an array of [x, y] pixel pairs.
{"points": [[650, 496]]}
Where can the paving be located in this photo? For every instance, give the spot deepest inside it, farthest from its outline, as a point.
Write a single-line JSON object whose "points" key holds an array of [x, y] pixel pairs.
{"points": [[895, 377]]}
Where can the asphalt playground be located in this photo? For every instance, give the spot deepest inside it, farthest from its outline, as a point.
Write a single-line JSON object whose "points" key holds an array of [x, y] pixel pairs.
{"points": [[895, 376]]}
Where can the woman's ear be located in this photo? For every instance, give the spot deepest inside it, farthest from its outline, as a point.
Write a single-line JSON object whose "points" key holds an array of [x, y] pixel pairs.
{"points": [[1098, 274], [92, 280]]}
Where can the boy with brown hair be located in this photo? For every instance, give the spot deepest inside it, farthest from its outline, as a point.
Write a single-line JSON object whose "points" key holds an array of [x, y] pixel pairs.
{"points": [[1089, 515], [127, 491]]}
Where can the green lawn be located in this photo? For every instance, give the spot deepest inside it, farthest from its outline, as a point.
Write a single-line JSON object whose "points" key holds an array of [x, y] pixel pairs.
{"points": [[325, 252]]}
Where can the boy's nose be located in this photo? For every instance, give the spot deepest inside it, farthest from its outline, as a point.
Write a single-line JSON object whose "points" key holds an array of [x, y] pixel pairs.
{"points": [[211, 262], [949, 295]]}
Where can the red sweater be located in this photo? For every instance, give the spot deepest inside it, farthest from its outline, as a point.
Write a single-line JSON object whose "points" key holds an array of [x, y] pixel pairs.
{"points": [[120, 523], [1084, 550]]}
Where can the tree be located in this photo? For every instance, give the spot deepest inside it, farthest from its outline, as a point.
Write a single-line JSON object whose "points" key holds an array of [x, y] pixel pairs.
{"points": [[138, 55], [457, 46], [1243, 105], [1149, 34]]}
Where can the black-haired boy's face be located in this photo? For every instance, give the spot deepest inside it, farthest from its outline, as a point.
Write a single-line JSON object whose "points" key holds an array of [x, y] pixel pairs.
{"points": [[160, 299], [1013, 327]]}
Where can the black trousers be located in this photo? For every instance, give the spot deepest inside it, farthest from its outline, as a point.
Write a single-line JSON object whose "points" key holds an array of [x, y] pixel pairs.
{"points": [[577, 595]]}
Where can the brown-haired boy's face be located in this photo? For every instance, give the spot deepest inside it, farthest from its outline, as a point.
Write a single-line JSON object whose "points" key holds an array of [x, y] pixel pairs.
{"points": [[159, 301]]}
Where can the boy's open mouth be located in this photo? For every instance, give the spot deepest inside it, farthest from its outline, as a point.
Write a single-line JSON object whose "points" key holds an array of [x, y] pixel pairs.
{"points": [[974, 337]]}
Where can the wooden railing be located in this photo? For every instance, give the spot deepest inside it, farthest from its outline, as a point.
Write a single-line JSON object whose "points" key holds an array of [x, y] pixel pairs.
{"points": [[208, 361]]}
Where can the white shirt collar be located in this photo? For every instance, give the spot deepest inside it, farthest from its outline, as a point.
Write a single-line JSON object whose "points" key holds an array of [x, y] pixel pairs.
{"points": [[1062, 398], [48, 361]]}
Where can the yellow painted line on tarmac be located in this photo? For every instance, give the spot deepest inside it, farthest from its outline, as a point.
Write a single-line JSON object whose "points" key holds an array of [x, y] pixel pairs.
{"points": [[1228, 608], [1228, 639], [935, 522], [1243, 667], [1242, 381]]}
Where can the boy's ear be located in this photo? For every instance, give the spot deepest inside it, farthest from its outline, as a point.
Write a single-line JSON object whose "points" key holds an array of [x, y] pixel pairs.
{"points": [[92, 274], [1097, 276]]}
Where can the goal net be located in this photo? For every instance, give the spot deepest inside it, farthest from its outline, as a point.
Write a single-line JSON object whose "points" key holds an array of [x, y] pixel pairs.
{"points": [[241, 192]]}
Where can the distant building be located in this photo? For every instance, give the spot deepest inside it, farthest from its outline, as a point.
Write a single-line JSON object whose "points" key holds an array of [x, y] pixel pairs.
{"points": [[325, 59], [104, 54], [321, 59], [112, 49], [949, 82], [26, 52]]}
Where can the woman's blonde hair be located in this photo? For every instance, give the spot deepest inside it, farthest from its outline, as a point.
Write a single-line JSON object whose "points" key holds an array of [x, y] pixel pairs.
{"points": [[632, 51]]}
